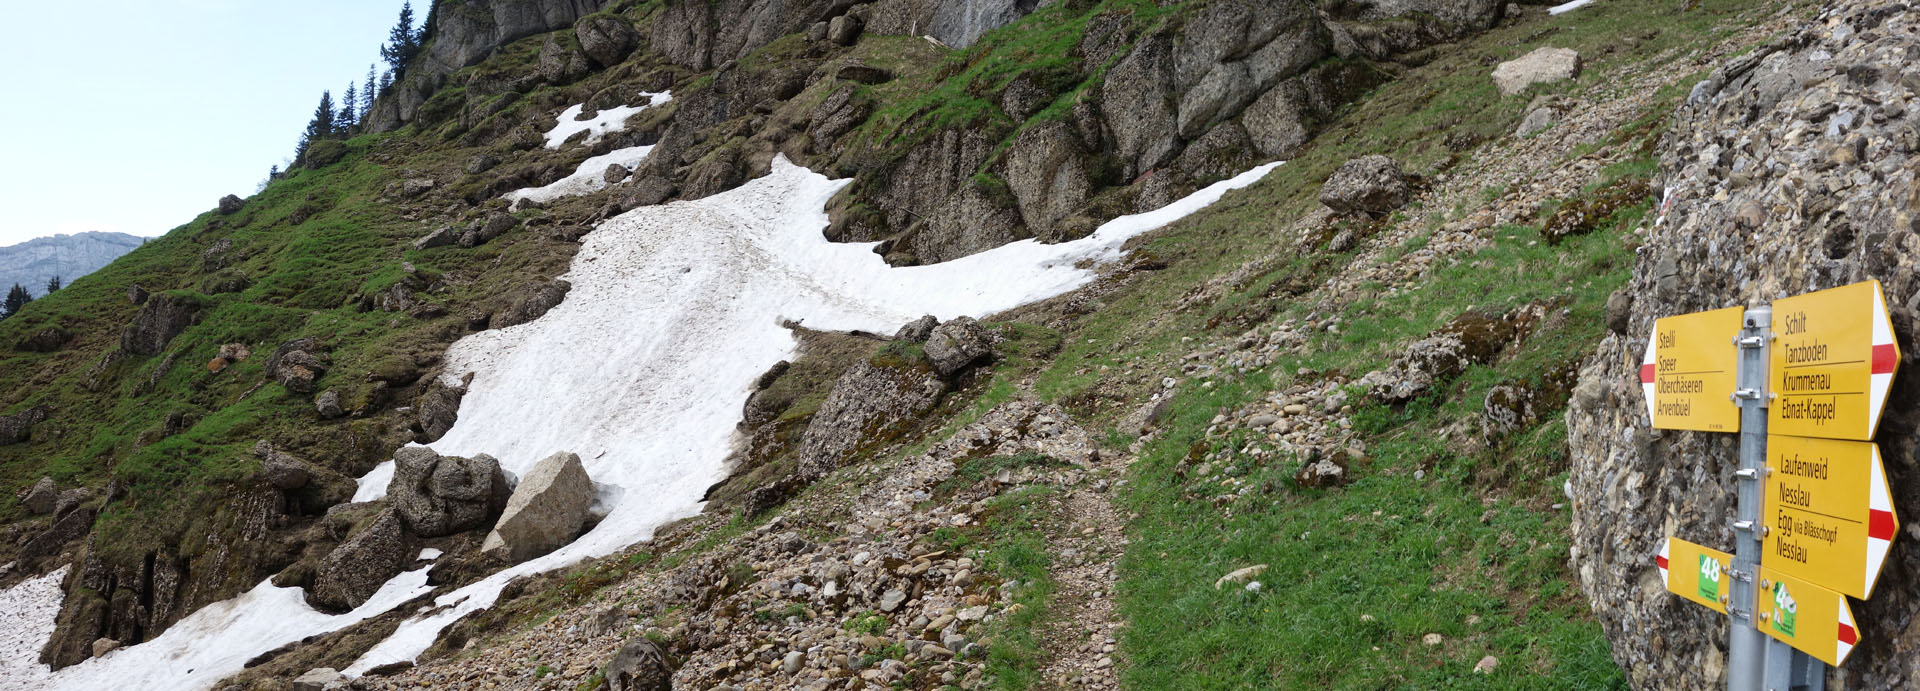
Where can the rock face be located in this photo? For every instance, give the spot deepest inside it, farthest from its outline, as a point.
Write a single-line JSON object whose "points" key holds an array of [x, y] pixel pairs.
{"points": [[164, 316], [956, 344], [868, 403], [370, 557], [296, 365], [464, 32], [441, 495], [1818, 130], [1368, 184], [33, 262], [545, 512], [1544, 65], [699, 35]]}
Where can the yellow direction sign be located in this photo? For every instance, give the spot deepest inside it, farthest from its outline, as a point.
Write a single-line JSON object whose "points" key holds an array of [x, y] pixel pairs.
{"points": [[1688, 373], [1829, 513], [1696, 573], [1833, 360], [1815, 620]]}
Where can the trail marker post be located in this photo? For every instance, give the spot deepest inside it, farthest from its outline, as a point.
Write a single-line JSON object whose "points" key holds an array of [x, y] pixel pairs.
{"points": [[1815, 517]]}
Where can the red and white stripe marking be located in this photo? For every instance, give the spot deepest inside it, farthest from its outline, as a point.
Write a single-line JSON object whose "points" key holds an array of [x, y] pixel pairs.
{"points": [[1881, 522], [1846, 636], [1661, 561], [1886, 359], [1647, 372]]}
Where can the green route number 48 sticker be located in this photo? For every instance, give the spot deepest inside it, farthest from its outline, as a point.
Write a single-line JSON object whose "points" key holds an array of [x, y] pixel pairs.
{"points": [[1709, 582], [1784, 608]]}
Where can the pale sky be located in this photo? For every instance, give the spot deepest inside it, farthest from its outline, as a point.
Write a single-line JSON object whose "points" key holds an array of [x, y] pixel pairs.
{"points": [[136, 115]]}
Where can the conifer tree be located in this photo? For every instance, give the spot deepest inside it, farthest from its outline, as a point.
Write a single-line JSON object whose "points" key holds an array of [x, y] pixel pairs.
{"points": [[402, 42], [349, 108], [53, 284], [386, 80], [17, 298], [366, 94], [322, 125]]}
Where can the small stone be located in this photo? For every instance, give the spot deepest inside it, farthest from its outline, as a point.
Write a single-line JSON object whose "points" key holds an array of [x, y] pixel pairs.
{"points": [[1432, 639], [891, 600], [1486, 665], [1262, 420], [102, 646], [793, 662], [1240, 575]]}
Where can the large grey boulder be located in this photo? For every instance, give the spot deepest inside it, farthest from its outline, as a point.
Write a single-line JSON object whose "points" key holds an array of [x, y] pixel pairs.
{"points": [[957, 344], [369, 558], [230, 204], [1368, 184], [869, 402], [606, 38], [163, 317], [1544, 65], [441, 495], [918, 330], [321, 679], [436, 411], [494, 225], [545, 512], [39, 499], [1784, 131]]}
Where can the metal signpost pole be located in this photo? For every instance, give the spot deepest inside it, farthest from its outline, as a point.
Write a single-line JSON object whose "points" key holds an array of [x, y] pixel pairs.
{"points": [[1746, 646]]}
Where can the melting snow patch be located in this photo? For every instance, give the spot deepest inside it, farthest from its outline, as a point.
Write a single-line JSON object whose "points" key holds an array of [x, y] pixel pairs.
{"points": [[675, 311], [609, 120], [1569, 7], [589, 178], [27, 614], [217, 640], [430, 553]]}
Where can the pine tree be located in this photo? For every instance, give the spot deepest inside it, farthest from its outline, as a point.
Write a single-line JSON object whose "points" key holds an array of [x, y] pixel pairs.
{"points": [[320, 127], [402, 42], [53, 284], [16, 299], [367, 94], [349, 108], [386, 81]]}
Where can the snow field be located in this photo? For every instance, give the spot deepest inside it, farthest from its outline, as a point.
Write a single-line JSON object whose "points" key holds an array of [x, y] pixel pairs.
{"points": [[609, 120]]}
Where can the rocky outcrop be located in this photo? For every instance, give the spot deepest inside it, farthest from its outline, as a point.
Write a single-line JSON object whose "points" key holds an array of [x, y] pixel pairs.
{"points": [[164, 316], [18, 427], [464, 32], [369, 558], [546, 510], [869, 403], [230, 204], [700, 34], [46, 340], [441, 495], [1368, 184], [1469, 339], [1814, 138], [436, 411], [918, 330], [529, 302], [296, 364]]}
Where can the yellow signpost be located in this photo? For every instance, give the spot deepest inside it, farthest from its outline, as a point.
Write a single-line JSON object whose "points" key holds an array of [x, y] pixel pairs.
{"points": [[1696, 573], [1829, 512], [1811, 373], [1688, 372], [1812, 619], [1833, 360]]}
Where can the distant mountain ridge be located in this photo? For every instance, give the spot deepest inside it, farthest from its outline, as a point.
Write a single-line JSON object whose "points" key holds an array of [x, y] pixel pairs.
{"points": [[33, 262]]}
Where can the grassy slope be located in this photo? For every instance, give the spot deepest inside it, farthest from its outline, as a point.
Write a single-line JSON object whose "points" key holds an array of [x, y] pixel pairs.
{"points": [[1474, 537]]}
